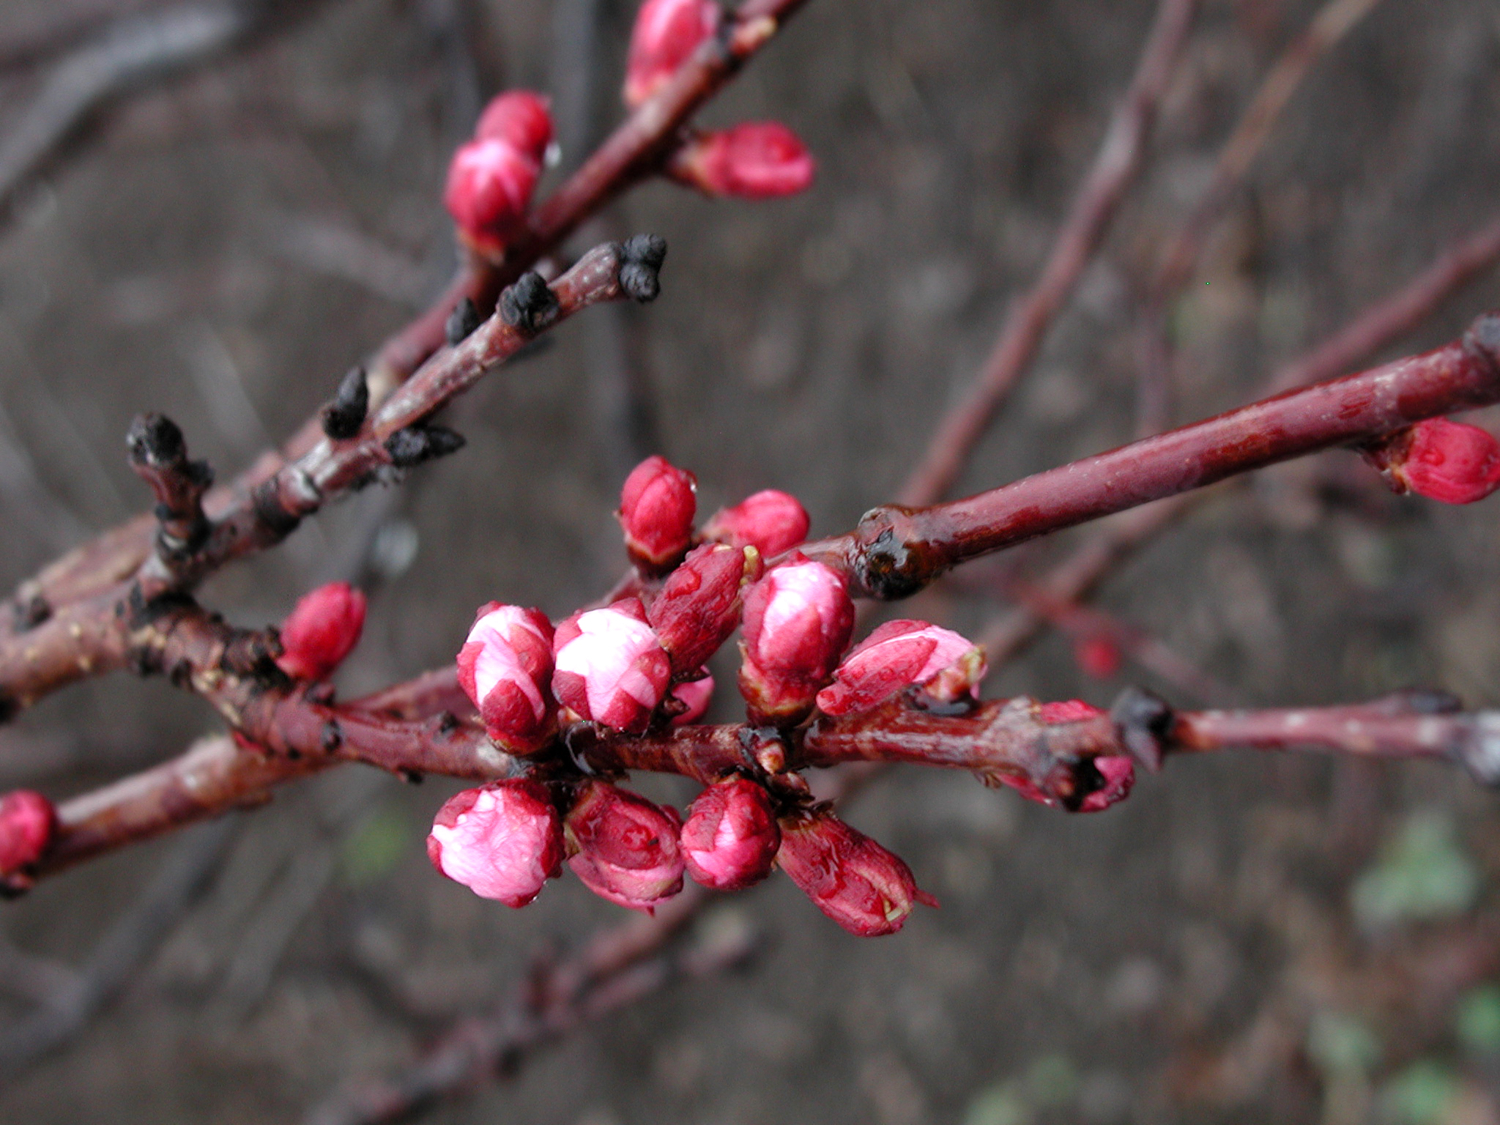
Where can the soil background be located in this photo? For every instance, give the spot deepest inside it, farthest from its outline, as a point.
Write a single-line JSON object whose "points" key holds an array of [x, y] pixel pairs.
{"points": [[1246, 939]]}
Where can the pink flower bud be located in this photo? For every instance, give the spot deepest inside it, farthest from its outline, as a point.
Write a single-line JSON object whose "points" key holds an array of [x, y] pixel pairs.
{"points": [[1448, 461], [489, 189], [699, 604], [895, 655], [694, 696], [1116, 770], [666, 33], [521, 119], [1098, 657], [502, 841], [797, 621], [731, 836], [657, 505], [27, 824], [626, 848], [321, 630], [756, 160], [611, 669], [505, 667], [852, 879], [769, 521]]}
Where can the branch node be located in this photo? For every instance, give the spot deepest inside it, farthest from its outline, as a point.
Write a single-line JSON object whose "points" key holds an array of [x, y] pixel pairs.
{"points": [[415, 444], [461, 322], [1482, 341], [265, 498], [891, 560], [30, 613], [641, 258], [1144, 723], [529, 305], [158, 454], [343, 417]]}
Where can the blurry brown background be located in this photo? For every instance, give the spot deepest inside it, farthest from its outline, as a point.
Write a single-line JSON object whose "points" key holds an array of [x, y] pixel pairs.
{"points": [[1246, 939]]}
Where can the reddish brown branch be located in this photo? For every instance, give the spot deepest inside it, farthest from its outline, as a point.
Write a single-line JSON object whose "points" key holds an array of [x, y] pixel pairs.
{"points": [[1115, 168], [896, 551]]}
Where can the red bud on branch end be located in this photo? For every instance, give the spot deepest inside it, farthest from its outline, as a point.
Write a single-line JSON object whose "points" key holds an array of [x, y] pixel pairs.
{"points": [[502, 841], [321, 631], [849, 877]]}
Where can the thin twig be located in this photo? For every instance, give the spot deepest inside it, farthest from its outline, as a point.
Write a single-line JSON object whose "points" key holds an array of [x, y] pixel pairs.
{"points": [[1115, 168]]}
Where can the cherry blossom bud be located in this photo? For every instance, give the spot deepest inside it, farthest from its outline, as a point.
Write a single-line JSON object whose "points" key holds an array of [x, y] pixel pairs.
{"points": [[502, 841], [1097, 657], [1448, 461], [657, 505], [699, 604], [625, 848], [505, 667], [772, 522], [28, 822], [797, 621], [731, 837], [610, 668], [756, 160], [321, 630], [900, 653], [694, 697], [489, 189], [666, 33], [852, 879], [1116, 771], [521, 119]]}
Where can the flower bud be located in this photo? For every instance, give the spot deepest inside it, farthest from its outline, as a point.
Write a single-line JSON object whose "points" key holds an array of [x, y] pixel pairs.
{"points": [[610, 668], [699, 604], [772, 522], [852, 879], [502, 841], [505, 667], [321, 630], [666, 33], [489, 189], [731, 836], [900, 653], [28, 822], [1097, 657], [625, 848], [797, 621], [657, 505], [1448, 461], [756, 160], [1116, 771], [694, 696], [521, 119]]}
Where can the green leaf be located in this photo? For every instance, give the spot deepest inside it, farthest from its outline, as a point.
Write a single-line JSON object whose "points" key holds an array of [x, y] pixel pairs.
{"points": [[1422, 873], [1477, 1020], [1341, 1044], [1422, 1094]]}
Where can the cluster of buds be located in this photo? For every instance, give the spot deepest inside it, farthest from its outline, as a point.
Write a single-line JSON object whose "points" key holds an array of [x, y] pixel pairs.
{"points": [[492, 177], [639, 665], [753, 160], [1452, 462]]}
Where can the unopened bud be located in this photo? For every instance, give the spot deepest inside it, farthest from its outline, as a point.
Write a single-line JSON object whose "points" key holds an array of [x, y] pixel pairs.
{"points": [[624, 847], [699, 604], [610, 668], [657, 505], [797, 622], [28, 821], [849, 877], [666, 33], [772, 522], [1116, 771], [489, 189], [505, 667], [1097, 657], [731, 836], [693, 697], [1448, 461], [901, 653], [756, 160], [519, 118], [321, 630], [502, 841]]}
